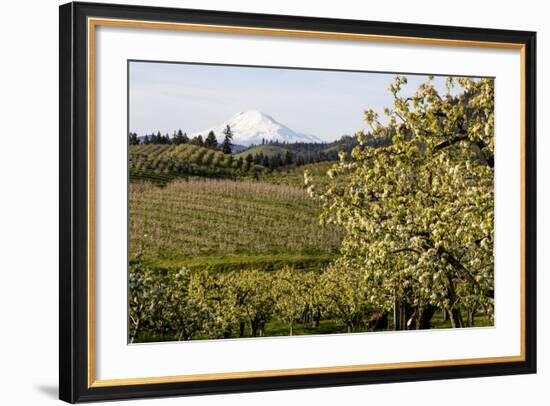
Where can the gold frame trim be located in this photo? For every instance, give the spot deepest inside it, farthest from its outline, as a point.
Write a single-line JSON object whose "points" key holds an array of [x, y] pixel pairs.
{"points": [[94, 22]]}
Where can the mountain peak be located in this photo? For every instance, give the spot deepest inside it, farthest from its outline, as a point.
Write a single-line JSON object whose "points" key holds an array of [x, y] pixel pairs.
{"points": [[253, 126], [252, 113]]}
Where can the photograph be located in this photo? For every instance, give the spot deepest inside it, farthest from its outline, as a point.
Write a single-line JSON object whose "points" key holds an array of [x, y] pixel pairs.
{"points": [[258, 201], [288, 201]]}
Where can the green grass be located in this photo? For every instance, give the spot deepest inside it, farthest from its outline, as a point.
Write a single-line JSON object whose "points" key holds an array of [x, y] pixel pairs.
{"points": [[235, 262], [217, 223], [268, 150], [277, 328], [479, 321], [274, 328]]}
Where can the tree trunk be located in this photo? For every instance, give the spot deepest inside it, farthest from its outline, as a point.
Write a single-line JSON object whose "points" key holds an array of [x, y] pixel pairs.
{"points": [[395, 313], [134, 334], [254, 327], [409, 313], [424, 317], [400, 315], [471, 316], [454, 313], [241, 329], [456, 318], [137, 322], [227, 333], [404, 315]]}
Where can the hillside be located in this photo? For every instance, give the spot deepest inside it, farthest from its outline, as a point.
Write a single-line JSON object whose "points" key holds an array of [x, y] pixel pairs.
{"points": [[228, 225], [302, 152], [267, 149], [160, 163]]}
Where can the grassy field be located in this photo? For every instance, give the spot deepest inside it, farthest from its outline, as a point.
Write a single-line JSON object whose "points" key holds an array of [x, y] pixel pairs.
{"points": [[268, 150], [224, 224]]}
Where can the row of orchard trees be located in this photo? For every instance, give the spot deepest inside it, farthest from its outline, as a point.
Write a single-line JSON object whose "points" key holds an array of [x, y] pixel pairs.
{"points": [[187, 304]]}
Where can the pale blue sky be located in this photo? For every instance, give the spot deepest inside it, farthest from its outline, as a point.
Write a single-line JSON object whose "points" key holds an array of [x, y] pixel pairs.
{"points": [[328, 104]]}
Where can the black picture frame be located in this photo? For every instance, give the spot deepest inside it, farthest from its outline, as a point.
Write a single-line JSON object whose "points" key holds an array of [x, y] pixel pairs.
{"points": [[74, 384]]}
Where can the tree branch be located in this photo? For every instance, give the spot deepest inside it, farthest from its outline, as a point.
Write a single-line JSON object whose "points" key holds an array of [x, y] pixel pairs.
{"points": [[450, 141]]}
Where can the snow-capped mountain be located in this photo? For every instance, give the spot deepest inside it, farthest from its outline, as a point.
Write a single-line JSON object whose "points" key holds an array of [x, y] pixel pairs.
{"points": [[250, 127]]}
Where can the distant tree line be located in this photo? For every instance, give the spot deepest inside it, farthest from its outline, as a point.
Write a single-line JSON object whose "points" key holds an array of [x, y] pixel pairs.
{"points": [[179, 137], [271, 161], [296, 153], [302, 153]]}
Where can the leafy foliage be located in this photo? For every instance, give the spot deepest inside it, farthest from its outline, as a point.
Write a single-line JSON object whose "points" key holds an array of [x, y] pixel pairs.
{"points": [[198, 304], [418, 214]]}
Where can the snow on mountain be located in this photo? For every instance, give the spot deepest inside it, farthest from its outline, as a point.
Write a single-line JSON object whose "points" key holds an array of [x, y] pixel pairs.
{"points": [[250, 127]]}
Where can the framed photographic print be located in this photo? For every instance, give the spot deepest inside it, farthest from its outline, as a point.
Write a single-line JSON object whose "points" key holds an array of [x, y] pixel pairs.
{"points": [[257, 202]]}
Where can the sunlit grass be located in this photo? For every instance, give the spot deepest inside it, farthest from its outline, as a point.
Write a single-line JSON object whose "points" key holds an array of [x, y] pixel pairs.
{"points": [[222, 218]]}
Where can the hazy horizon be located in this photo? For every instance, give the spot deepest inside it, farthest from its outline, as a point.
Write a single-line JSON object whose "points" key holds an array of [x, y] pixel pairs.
{"points": [[192, 97]]}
